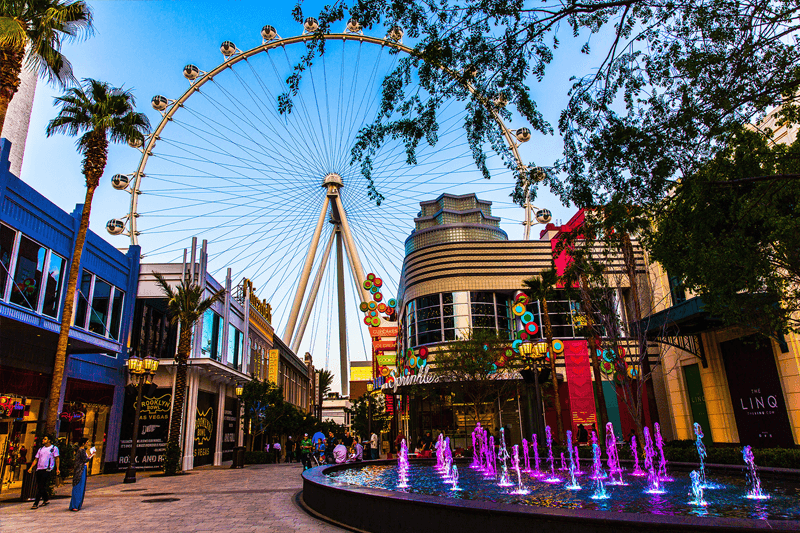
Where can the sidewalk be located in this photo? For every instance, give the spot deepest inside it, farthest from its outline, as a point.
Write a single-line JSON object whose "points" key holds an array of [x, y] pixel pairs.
{"points": [[256, 498]]}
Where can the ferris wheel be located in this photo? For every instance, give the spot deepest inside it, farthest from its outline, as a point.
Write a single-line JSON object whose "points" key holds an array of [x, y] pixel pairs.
{"points": [[275, 193]]}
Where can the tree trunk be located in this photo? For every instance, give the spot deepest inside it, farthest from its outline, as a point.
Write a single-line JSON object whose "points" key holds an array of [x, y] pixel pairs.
{"points": [[593, 347], [630, 268], [548, 333], [10, 68], [60, 364], [181, 358]]}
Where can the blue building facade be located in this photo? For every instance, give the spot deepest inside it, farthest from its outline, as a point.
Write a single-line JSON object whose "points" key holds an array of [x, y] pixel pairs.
{"points": [[36, 243]]}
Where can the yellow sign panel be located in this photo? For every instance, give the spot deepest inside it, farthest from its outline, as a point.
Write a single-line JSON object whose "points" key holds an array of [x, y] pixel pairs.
{"points": [[387, 358], [360, 373], [274, 357]]}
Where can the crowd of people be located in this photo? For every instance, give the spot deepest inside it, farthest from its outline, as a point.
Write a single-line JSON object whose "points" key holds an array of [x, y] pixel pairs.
{"points": [[329, 450]]}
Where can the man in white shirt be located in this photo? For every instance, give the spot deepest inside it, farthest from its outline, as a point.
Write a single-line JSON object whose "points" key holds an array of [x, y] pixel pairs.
{"points": [[373, 446], [44, 462]]}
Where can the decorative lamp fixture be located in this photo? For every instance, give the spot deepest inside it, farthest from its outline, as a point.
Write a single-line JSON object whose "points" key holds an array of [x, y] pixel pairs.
{"points": [[526, 349], [239, 390], [150, 364], [135, 364], [370, 386]]}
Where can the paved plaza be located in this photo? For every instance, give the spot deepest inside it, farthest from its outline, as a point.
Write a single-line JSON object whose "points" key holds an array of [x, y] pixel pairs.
{"points": [[256, 498]]}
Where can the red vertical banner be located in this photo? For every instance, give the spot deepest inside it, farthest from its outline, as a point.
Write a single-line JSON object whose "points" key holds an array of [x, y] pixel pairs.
{"points": [[579, 383]]}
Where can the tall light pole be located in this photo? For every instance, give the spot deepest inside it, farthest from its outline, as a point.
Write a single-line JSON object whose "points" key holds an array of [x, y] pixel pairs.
{"points": [[532, 353], [141, 370]]}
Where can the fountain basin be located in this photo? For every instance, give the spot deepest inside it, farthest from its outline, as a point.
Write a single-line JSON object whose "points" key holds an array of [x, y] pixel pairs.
{"points": [[379, 509]]}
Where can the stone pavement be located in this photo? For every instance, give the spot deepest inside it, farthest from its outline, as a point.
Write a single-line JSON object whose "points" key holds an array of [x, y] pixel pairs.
{"points": [[256, 498]]}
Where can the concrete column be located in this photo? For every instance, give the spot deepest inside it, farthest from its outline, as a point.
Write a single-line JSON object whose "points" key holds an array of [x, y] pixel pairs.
{"points": [[225, 357], [193, 379], [220, 422]]}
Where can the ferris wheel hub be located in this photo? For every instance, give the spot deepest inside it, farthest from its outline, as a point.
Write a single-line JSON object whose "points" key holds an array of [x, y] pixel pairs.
{"points": [[332, 179]]}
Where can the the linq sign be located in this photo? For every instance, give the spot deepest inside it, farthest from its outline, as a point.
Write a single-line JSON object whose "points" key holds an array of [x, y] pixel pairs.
{"points": [[756, 393]]}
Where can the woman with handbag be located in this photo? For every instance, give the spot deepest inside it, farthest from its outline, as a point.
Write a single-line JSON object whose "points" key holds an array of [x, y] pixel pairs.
{"points": [[82, 457]]}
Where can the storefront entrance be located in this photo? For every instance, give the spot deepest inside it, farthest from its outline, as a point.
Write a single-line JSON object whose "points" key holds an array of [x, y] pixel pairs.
{"points": [[18, 422], [85, 413]]}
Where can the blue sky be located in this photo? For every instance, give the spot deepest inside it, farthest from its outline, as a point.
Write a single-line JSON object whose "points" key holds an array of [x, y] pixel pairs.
{"points": [[143, 45]]}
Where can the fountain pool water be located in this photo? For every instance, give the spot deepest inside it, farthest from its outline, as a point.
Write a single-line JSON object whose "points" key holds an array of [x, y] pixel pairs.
{"points": [[728, 501]]}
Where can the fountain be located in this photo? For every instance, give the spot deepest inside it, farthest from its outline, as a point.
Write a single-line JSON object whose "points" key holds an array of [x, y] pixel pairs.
{"points": [[454, 479], [549, 436], [525, 454], [440, 452], [475, 453], [563, 464], [600, 492], [537, 471], [637, 471], [701, 451], [653, 480], [662, 461], [520, 487], [754, 491], [697, 490], [402, 466], [503, 456], [491, 465], [573, 483], [578, 471], [613, 456]]}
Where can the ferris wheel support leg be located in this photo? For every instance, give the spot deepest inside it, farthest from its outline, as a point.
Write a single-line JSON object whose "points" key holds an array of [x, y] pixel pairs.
{"points": [[352, 252], [342, 323], [304, 275], [312, 296]]}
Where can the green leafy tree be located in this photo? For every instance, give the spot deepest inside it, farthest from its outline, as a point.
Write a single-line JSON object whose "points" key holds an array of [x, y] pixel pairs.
{"points": [[324, 382], [646, 108], [185, 306], [360, 411], [31, 32], [543, 289], [99, 113], [469, 366], [730, 233]]}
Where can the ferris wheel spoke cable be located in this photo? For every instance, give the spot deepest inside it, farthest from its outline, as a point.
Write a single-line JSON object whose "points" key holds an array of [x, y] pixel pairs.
{"points": [[297, 228], [276, 150], [183, 236], [367, 347], [297, 158]]}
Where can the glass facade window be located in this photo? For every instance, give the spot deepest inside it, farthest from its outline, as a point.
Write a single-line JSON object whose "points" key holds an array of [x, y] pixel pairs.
{"points": [[82, 306], [235, 345], [53, 285], [7, 238], [212, 335], [116, 314], [101, 298], [447, 316], [27, 282]]}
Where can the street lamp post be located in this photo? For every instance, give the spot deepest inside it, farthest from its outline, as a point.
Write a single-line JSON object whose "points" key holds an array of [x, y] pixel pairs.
{"points": [[238, 457], [532, 352], [369, 409], [140, 370]]}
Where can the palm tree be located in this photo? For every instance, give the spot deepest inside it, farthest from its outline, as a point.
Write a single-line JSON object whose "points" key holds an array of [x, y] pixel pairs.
{"points": [[542, 289], [33, 31], [324, 382], [185, 306], [100, 113]]}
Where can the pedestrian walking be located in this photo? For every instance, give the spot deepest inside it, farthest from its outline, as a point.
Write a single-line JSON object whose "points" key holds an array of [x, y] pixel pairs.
{"points": [[306, 450], [289, 449], [276, 449], [44, 462], [373, 446], [329, 446], [79, 473]]}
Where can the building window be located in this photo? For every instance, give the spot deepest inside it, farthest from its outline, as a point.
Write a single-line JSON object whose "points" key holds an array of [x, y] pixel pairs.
{"points": [[53, 285], [7, 238], [27, 282], [676, 289], [104, 315], [235, 340], [212, 335], [101, 300]]}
